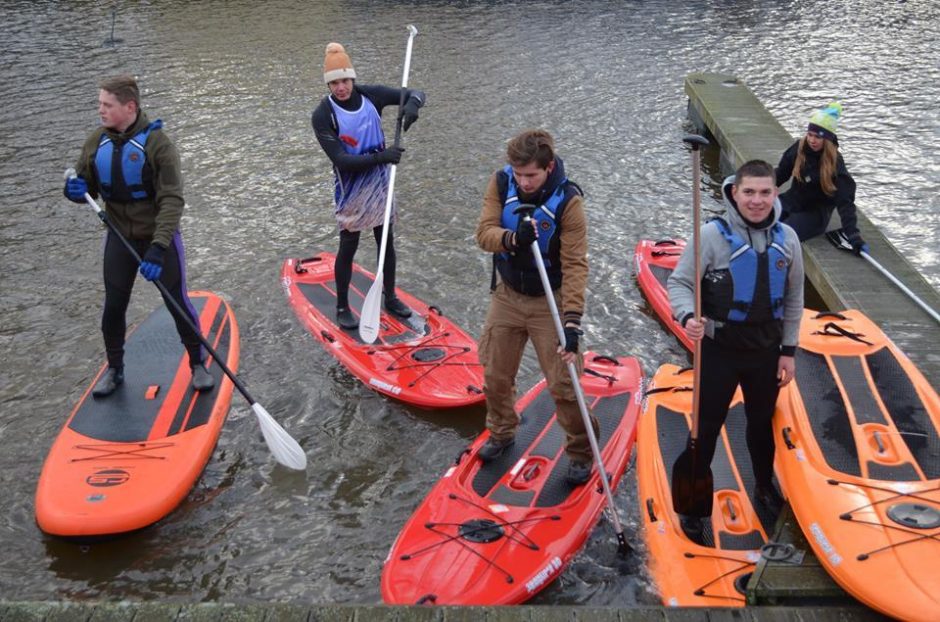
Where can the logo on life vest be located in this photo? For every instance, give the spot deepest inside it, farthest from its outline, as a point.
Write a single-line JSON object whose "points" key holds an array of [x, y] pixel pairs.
{"points": [[107, 477], [545, 225], [133, 157], [781, 264]]}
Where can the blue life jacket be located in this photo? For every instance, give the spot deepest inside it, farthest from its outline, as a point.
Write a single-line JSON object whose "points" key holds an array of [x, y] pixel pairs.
{"points": [[127, 183], [759, 280], [544, 215], [518, 269]]}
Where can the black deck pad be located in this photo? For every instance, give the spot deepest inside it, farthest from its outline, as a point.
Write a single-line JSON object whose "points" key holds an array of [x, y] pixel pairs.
{"points": [[608, 411], [203, 407], [534, 419], [857, 388], [906, 410], [152, 357], [736, 427], [826, 412], [323, 297], [893, 473], [661, 274], [673, 435]]}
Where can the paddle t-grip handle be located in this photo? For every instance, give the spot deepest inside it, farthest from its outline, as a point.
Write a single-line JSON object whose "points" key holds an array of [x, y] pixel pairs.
{"points": [[695, 141]]}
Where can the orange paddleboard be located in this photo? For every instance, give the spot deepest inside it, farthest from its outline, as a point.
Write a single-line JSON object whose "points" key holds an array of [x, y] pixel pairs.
{"points": [[127, 460], [858, 455], [689, 574]]}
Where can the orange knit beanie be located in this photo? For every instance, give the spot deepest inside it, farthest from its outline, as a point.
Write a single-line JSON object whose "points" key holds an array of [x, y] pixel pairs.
{"points": [[337, 65]]}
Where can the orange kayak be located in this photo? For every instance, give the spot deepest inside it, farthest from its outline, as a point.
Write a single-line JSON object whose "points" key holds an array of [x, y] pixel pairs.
{"points": [[125, 461], [688, 574], [858, 454]]}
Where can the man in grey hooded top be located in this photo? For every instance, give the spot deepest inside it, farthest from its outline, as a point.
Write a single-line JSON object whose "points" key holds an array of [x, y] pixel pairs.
{"points": [[752, 302]]}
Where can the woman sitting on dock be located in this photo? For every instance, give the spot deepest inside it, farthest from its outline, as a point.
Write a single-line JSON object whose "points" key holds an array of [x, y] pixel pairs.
{"points": [[821, 181]]}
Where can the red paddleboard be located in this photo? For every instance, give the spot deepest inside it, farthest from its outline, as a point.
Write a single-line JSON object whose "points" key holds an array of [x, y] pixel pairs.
{"points": [[425, 360], [127, 460], [498, 533], [654, 262]]}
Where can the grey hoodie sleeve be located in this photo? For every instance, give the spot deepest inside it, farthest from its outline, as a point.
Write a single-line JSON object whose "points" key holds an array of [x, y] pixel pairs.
{"points": [[793, 299], [681, 283]]}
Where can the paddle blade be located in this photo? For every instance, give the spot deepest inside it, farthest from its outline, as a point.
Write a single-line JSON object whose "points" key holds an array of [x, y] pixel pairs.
{"points": [[285, 449], [371, 311], [838, 239], [692, 485]]}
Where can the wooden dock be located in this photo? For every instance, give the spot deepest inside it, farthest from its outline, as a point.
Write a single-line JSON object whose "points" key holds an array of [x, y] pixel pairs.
{"points": [[790, 574], [731, 115], [724, 109], [152, 611]]}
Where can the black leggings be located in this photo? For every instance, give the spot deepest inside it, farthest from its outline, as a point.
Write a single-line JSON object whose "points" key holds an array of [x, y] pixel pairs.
{"points": [[756, 371], [348, 243], [808, 223], [120, 272]]}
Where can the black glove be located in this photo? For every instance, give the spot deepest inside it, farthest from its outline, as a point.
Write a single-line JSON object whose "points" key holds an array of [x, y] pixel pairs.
{"points": [[409, 113], [571, 338], [525, 233], [392, 155]]}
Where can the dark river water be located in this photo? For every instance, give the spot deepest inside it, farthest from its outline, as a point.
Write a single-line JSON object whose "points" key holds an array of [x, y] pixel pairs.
{"points": [[234, 83]]}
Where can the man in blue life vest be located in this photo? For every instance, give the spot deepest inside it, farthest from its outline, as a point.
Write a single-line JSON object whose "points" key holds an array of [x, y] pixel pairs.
{"points": [[518, 309], [134, 166], [752, 303], [348, 126]]}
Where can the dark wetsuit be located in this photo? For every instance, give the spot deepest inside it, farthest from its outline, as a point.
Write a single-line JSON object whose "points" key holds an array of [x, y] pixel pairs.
{"points": [[151, 220]]}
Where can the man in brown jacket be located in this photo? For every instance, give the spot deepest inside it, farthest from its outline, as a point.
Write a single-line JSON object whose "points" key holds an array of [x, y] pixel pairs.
{"points": [[135, 167], [534, 177]]}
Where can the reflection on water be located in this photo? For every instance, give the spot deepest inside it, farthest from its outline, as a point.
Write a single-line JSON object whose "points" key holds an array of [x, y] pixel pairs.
{"points": [[235, 83]]}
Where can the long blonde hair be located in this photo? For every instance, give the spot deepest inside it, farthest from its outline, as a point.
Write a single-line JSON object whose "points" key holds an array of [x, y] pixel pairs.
{"points": [[827, 165]]}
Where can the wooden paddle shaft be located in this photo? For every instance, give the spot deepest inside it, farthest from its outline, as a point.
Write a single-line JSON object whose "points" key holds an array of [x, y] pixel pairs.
{"points": [[695, 142]]}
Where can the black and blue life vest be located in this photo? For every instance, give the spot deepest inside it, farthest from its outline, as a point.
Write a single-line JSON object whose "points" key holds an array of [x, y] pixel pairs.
{"points": [[120, 168], [517, 269], [758, 280]]}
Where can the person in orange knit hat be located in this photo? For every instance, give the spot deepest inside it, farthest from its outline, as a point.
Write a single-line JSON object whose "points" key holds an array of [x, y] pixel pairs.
{"points": [[348, 126]]}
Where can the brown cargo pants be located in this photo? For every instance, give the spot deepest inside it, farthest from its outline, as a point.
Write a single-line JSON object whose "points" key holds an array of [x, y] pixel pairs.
{"points": [[514, 318]]}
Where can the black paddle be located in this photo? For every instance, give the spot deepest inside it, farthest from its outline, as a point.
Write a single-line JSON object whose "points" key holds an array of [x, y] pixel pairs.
{"points": [[282, 445], [692, 483]]}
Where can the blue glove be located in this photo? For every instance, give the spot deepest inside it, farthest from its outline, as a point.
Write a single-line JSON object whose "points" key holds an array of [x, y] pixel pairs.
{"points": [[75, 189], [152, 264], [409, 113], [858, 244]]}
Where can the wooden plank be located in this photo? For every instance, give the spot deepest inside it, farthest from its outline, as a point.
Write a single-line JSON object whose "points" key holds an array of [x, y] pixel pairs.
{"points": [[780, 582]]}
